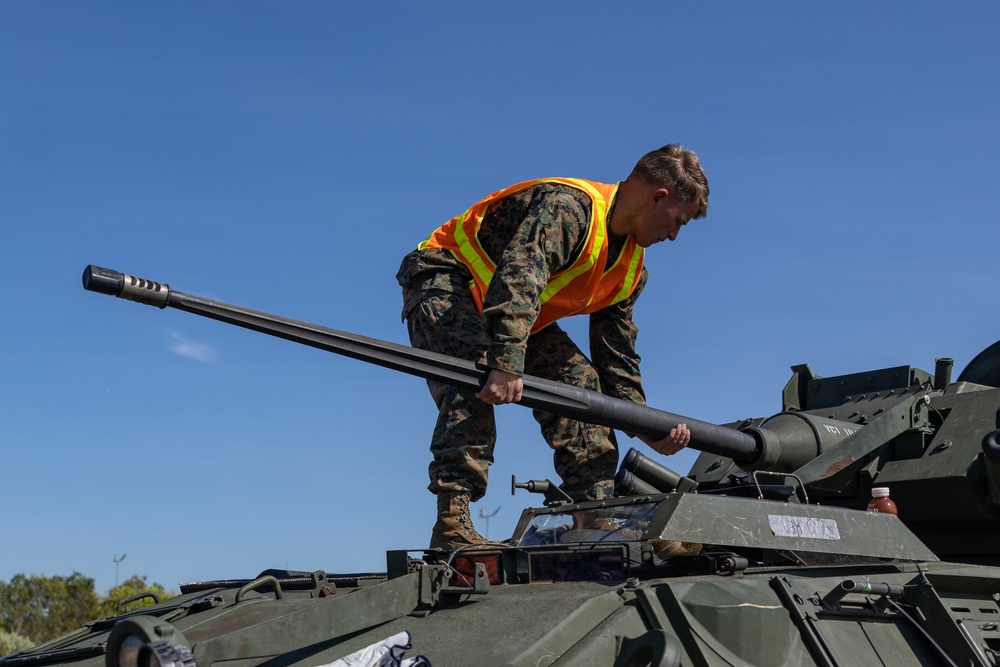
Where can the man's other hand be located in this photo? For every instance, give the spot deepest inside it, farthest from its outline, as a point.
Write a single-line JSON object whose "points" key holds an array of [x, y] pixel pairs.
{"points": [[675, 441], [501, 387]]}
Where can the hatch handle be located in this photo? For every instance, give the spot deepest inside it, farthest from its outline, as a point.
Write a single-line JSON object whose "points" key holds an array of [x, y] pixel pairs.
{"points": [[138, 596], [259, 583]]}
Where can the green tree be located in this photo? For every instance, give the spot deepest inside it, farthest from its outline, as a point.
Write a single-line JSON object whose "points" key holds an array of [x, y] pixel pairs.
{"points": [[40, 608], [37, 608], [131, 586], [11, 643]]}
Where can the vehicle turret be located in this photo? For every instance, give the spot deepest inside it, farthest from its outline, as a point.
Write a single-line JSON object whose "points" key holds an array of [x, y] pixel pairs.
{"points": [[932, 441]]}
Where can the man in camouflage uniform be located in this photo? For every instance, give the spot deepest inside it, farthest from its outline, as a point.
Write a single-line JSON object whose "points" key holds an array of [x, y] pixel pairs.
{"points": [[531, 235]]}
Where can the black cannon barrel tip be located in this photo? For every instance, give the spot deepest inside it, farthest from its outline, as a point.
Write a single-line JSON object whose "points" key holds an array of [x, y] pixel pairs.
{"points": [[103, 281], [115, 283]]}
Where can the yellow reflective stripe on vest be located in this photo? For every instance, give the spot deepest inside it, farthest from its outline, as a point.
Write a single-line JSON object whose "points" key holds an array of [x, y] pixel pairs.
{"points": [[561, 280], [471, 252], [630, 277], [597, 229]]}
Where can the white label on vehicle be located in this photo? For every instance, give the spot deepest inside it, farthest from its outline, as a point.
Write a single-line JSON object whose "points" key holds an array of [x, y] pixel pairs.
{"points": [[803, 526]]}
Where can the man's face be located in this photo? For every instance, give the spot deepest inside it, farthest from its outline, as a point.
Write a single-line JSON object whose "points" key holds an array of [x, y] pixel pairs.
{"points": [[664, 218]]}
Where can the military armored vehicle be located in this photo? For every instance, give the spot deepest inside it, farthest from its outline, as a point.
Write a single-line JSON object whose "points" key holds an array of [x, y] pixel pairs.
{"points": [[763, 554]]}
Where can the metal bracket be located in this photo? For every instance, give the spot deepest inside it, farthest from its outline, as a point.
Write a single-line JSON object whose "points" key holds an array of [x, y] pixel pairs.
{"points": [[480, 582], [554, 496], [321, 585], [804, 614]]}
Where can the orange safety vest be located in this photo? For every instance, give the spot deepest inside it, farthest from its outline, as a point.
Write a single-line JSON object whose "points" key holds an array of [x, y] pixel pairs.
{"points": [[583, 287]]}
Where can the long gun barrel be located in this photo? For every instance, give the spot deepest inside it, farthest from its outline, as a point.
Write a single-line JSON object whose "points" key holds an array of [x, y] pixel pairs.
{"points": [[541, 394]]}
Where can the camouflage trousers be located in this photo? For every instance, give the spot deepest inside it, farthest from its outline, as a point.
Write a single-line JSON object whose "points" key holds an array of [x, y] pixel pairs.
{"points": [[585, 455]]}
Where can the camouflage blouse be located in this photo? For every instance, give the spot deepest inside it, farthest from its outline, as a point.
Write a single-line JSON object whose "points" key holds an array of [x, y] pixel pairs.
{"points": [[530, 236]]}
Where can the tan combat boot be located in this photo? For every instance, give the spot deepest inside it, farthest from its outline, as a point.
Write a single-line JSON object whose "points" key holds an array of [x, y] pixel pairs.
{"points": [[454, 527]]}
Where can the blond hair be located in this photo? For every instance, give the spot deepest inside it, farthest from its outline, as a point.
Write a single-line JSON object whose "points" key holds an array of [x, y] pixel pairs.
{"points": [[678, 170]]}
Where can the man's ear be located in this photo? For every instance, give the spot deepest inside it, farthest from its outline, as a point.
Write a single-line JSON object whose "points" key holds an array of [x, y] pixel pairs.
{"points": [[657, 195]]}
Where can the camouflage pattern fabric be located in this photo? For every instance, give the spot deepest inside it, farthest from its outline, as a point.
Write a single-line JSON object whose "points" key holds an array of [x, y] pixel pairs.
{"points": [[530, 235], [585, 455]]}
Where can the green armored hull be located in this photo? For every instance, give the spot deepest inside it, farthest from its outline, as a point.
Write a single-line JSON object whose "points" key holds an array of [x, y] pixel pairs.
{"points": [[796, 585]]}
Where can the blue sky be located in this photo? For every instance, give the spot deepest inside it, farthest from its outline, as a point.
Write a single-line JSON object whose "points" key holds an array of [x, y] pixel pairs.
{"points": [[285, 156]]}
